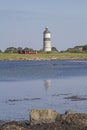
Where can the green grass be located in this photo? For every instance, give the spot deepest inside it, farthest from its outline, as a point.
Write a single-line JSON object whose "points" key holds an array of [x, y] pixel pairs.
{"points": [[43, 56]]}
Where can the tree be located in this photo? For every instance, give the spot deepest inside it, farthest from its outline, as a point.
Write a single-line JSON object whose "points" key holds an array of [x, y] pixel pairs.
{"points": [[28, 49], [0, 51], [54, 49], [11, 50], [84, 48]]}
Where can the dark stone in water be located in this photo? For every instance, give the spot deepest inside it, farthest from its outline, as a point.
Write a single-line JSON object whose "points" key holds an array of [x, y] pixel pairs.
{"points": [[2, 122], [76, 98], [20, 100], [14, 100], [57, 95]]}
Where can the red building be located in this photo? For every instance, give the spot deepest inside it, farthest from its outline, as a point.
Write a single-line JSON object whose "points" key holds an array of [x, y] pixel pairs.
{"points": [[26, 52]]}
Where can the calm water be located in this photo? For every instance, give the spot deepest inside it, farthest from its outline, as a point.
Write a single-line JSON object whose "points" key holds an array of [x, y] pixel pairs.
{"points": [[24, 85]]}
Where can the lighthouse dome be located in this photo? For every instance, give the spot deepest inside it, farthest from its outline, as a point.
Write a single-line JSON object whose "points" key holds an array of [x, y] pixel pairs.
{"points": [[46, 30]]}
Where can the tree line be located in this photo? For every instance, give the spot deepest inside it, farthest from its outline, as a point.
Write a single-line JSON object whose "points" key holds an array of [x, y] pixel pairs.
{"points": [[16, 50], [77, 49]]}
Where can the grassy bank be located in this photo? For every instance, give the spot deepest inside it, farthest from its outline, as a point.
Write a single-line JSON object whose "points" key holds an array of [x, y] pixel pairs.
{"points": [[44, 56]]}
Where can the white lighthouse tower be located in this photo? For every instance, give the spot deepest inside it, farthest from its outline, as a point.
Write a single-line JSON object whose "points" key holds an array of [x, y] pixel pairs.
{"points": [[46, 40]]}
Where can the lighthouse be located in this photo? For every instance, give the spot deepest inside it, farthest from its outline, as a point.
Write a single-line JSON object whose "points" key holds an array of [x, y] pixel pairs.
{"points": [[46, 40]]}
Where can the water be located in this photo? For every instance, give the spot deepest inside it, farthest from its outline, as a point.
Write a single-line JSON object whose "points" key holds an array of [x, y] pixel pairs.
{"points": [[59, 85]]}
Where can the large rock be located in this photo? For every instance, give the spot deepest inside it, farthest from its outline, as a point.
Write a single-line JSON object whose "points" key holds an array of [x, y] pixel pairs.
{"points": [[70, 112], [15, 125], [75, 119], [42, 116], [68, 121]]}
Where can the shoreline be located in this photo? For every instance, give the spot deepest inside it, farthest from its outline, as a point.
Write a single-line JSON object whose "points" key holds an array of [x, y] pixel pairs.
{"points": [[43, 57], [70, 120], [44, 60]]}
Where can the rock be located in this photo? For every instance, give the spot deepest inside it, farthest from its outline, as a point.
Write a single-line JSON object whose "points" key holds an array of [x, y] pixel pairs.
{"points": [[70, 112], [49, 120], [2, 122], [75, 119], [15, 125], [42, 116]]}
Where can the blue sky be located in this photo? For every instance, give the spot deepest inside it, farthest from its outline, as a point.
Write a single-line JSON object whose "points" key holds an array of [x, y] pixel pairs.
{"points": [[22, 23]]}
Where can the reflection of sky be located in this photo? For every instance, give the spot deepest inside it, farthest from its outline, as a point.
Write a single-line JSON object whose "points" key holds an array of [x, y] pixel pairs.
{"points": [[41, 94]]}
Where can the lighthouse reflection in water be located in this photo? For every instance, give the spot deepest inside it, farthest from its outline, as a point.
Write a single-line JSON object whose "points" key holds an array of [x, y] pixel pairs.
{"points": [[47, 84]]}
